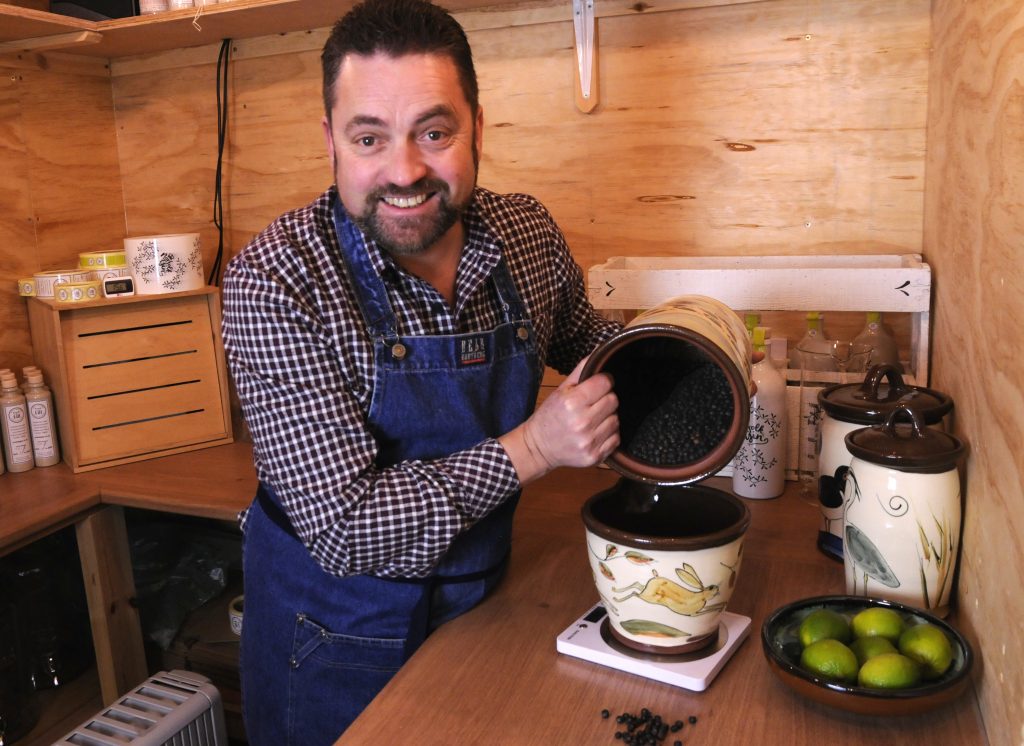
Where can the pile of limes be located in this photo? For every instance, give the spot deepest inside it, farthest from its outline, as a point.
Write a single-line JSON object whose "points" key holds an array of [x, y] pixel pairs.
{"points": [[875, 649]]}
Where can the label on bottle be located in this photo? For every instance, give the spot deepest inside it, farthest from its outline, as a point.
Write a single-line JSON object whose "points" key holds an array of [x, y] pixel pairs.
{"points": [[19, 440], [42, 432]]}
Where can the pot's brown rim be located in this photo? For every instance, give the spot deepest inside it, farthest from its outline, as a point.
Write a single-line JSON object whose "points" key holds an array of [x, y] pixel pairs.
{"points": [[727, 447], [670, 543]]}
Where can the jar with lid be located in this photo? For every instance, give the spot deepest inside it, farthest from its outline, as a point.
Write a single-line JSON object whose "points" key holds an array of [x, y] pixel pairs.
{"points": [[902, 512], [849, 407]]}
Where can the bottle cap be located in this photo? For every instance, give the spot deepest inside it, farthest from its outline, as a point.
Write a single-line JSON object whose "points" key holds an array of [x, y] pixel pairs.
{"points": [[874, 317], [8, 382], [759, 337], [813, 315], [34, 377], [751, 320]]}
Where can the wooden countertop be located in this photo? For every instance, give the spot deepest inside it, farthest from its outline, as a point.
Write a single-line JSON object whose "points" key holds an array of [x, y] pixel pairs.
{"points": [[493, 676], [214, 482]]}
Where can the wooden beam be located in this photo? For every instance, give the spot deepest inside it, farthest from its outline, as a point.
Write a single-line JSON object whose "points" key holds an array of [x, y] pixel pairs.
{"points": [[110, 592], [56, 41]]}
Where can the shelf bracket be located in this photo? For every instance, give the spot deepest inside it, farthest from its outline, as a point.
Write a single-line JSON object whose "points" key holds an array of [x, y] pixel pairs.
{"points": [[585, 31]]}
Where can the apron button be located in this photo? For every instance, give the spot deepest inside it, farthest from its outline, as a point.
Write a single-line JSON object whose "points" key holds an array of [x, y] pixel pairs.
{"points": [[398, 350], [293, 663], [523, 333], [300, 618]]}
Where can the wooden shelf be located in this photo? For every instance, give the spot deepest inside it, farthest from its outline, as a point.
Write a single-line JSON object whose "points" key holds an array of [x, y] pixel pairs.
{"points": [[26, 30]]}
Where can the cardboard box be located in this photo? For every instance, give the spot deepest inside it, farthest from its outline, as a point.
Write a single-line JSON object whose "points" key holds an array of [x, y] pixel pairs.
{"points": [[135, 377]]}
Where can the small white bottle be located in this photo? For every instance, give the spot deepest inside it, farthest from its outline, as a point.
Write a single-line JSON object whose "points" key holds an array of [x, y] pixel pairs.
{"points": [[3, 372], [42, 425], [759, 469], [15, 428], [883, 347]]}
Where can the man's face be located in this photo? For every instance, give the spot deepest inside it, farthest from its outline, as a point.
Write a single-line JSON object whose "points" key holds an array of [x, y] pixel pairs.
{"points": [[405, 147]]}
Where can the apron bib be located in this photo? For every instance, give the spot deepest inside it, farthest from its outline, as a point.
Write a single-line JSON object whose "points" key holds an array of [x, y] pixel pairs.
{"points": [[317, 648]]}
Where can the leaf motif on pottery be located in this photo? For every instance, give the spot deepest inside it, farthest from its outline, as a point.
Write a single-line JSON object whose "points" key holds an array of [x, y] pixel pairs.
{"points": [[610, 550], [605, 571], [638, 559], [647, 628]]}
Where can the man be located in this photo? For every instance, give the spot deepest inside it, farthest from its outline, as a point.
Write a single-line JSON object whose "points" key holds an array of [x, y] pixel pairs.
{"points": [[387, 343]]}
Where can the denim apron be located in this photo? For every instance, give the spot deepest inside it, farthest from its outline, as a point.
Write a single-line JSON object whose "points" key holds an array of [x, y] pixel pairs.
{"points": [[317, 648]]}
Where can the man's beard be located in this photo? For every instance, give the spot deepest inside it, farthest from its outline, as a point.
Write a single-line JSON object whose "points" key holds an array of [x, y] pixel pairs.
{"points": [[409, 236]]}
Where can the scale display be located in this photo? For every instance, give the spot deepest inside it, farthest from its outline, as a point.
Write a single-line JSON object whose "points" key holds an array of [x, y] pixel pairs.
{"points": [[588, 638]]}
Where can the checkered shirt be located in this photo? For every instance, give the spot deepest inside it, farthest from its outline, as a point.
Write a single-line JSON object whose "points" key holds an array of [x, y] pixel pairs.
{"points": [[302, 361]]}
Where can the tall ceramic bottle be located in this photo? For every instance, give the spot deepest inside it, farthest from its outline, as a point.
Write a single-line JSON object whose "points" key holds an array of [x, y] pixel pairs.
{"points": [[883, 347], [39, 401], [14, 424], [759, 469]]}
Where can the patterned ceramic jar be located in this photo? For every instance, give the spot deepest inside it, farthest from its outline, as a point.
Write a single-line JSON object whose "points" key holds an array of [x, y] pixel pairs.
{"points": [[665, 560], [682, 373], [849, 407], [901, 512]]}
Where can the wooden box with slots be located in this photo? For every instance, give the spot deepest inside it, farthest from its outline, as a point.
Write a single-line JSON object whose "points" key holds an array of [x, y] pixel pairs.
{"points": [[134, 377]]}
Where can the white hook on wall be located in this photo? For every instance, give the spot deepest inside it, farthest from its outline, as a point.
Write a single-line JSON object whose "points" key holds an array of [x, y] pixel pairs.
{"points": [[584, 29]]}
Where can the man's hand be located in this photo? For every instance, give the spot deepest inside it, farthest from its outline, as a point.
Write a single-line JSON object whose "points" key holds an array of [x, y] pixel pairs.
{"points": [[577, 425]]}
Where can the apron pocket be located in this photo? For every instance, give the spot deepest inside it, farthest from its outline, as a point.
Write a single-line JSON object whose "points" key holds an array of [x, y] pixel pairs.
{"points": [[334, 674]]}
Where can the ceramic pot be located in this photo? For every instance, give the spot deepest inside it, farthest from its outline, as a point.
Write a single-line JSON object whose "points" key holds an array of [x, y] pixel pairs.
{"points": [[687, 341], [665, 561], [902, 512], [849, 407], [165, 264]]}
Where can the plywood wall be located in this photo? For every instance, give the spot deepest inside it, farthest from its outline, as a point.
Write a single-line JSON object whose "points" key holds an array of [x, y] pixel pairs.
{"points": [[773, 127], [60, 186], [974, 233]]}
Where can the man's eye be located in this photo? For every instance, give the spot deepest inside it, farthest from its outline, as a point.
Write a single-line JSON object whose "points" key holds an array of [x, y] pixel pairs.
{"points": [[435, 135], [367, 141]]}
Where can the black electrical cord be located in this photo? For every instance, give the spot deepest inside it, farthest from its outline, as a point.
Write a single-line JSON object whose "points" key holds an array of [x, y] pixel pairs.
{"points": [[222, 129]]}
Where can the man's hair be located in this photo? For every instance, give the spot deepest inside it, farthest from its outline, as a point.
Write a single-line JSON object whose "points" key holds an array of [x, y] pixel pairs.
{"points": [[397, 28]]}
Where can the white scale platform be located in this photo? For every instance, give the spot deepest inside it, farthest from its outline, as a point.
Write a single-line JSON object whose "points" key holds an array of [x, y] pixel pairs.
{"points": [[589, 639]]}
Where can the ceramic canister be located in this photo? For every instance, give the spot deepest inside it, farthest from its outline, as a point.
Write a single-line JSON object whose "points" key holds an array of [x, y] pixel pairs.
{"points": [[165, 264], [665, 561], [689, 340], [901, 512], [849, 407]]}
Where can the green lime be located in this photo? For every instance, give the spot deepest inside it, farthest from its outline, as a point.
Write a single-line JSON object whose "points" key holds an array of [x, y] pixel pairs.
{"points": [[889, 671], [824, 624], [830, 659], [878, 622], [869, 647], [929, 646]]}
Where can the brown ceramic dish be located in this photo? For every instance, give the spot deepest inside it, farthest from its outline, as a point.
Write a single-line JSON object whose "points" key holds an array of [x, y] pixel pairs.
{"points": [[782, 649]]}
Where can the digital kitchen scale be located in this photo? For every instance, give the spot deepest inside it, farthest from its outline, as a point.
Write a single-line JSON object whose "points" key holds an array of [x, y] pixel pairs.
{"points": [[589, 638]]}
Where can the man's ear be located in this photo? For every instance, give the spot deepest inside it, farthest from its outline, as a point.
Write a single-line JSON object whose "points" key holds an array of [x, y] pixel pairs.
{"points": [[329, 139]]}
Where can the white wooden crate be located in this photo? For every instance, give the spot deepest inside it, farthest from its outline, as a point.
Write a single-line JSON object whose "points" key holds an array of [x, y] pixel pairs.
{"points": [[885, 283]]}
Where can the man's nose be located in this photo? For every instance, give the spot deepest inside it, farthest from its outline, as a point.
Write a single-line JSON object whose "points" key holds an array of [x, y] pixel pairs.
{"points": [[407, 165]]}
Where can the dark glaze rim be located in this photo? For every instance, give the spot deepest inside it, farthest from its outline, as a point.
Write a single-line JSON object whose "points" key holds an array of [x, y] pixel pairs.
{"points": [[626, 490], [721, 454]]}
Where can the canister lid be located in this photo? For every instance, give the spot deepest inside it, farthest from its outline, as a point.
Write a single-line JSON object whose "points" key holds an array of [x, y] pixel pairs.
{"points": [[904, 443], [881, 391]]}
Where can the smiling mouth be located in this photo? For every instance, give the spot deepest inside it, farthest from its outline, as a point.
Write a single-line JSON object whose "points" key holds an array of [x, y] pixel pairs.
{"points": [[405, 202]]}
